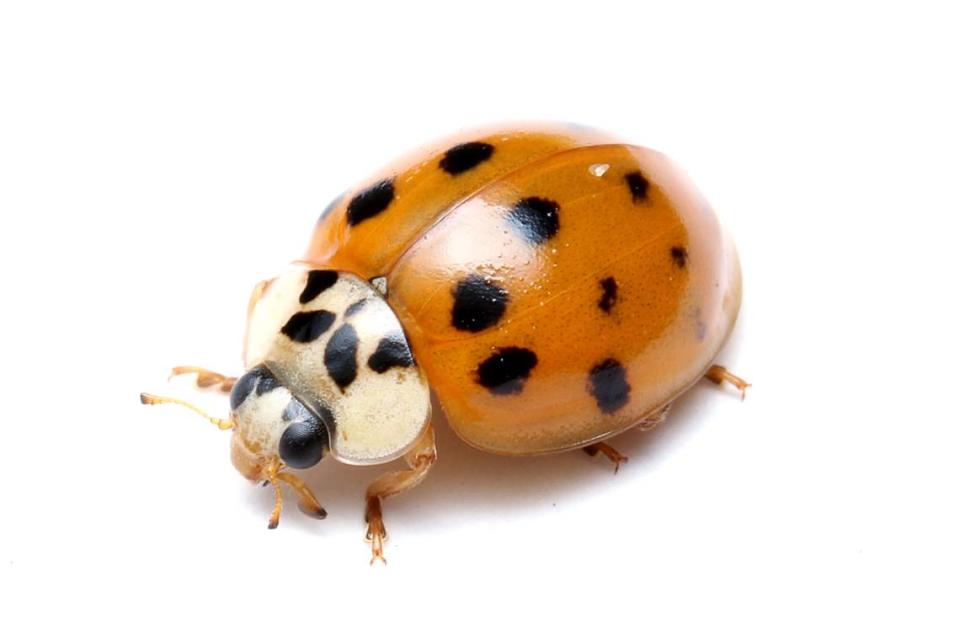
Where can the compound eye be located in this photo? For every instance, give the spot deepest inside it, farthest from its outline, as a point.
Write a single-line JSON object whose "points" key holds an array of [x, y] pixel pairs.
{"points": [[242, 388], [302, 444], [259, 378]]}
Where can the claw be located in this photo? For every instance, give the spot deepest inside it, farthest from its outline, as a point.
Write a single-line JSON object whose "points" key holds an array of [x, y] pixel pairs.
{"points": [[376, 545], [312, 510], [376, 533]]}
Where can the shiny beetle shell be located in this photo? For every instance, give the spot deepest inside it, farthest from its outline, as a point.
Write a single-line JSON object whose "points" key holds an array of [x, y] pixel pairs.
{"points": [[555, 285]]}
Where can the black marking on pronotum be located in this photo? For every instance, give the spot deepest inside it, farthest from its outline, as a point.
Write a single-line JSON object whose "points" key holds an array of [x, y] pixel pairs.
{"points": [[505, 371], [478, 303], [318, 281], [392, 351], [536, 219], [355, 307], [371, 201], [679, 256], [330, 207], [340, 356], [608, 385], [244, 385], [638, 185], [609, 297], [304, 327], [304, 443], [465, 157]]}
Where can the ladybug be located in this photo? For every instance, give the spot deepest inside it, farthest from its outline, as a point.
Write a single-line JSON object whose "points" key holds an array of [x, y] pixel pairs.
{"points": [[552, 285]]}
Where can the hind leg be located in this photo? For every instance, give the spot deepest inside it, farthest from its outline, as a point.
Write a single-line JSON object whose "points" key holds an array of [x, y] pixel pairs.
{"points": [[719, 374], [609, 451], [615, 457]]}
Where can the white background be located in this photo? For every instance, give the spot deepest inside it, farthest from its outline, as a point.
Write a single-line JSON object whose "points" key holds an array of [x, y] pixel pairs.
{"points": [[156, 159]]}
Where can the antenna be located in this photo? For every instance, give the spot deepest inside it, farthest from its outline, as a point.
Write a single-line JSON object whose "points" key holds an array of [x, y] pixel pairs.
{"points": [[150, 399]]}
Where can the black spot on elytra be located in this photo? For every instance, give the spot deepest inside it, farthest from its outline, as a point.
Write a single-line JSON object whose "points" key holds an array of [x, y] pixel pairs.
{"points": [[392, 351], [536, 219], [608, 385], [679, 256], [609, 297], [318, 281], [465, 157], [245, 385], [340, 356], [638, 185], [478, 303], [355, 307], [371, 201], [505, 371], [304, 327]]}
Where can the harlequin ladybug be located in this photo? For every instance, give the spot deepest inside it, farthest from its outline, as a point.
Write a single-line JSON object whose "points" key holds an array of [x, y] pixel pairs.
{"points": [[552, 285]]}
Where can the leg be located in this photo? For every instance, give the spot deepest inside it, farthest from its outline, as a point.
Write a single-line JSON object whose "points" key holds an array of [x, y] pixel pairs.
{"points": [[718, 374], [271, 472], [613, 455], [419, 459], [206, 378], [308, 502], [646, 423]]}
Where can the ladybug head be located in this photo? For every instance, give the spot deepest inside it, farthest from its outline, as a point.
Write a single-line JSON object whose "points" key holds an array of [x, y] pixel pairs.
{"points": [[272, 430], [331, 373], [272, 426]]}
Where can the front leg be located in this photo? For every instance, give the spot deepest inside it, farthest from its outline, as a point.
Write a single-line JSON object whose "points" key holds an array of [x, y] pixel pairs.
{"points": [[273, 475], [420, 459]]}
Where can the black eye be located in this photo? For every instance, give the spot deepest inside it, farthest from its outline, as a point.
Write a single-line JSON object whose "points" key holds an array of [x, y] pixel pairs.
{"points": [[302, 444], [242, 388], [260, 378]]}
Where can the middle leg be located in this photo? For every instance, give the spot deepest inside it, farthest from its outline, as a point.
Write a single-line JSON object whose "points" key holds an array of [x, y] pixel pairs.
{"points": [[647, 423], [420, 459]]}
